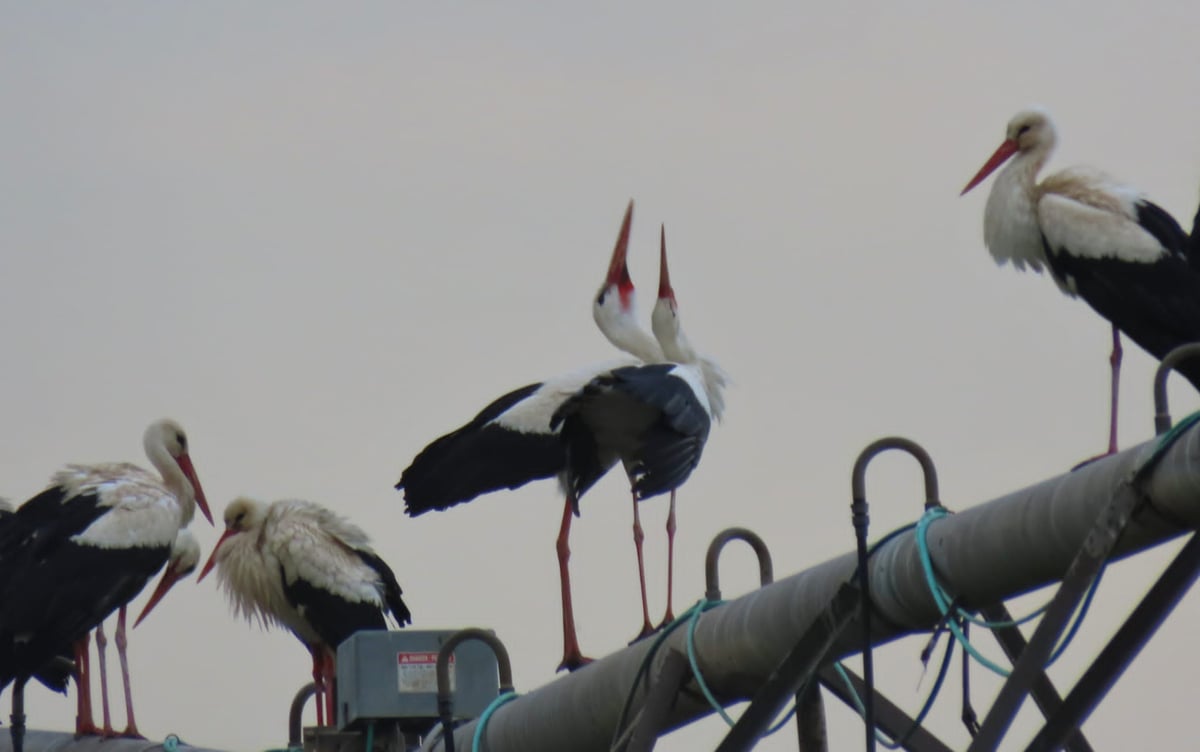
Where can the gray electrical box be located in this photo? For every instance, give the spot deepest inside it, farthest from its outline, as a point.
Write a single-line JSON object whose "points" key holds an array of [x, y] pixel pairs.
{"points": [[392, 676]]}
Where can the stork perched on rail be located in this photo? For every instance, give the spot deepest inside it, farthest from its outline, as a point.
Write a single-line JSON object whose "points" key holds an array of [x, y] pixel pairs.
{"points": [[85, 547], [296, 564], [1102, 241]]}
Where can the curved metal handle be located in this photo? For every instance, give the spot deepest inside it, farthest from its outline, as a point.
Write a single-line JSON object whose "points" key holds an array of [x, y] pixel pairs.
{"points": [[712, 585], [1162, 413], [295, 724], [858, 478], [445, 698]]}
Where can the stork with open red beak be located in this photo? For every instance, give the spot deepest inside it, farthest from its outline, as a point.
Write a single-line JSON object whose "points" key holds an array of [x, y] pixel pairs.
{"points": [[511, 442], [1101, 240], [85, 547], [296, 564]]}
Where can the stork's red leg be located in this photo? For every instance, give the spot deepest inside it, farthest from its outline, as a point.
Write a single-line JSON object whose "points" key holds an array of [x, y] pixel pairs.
{"points": [[102, 656], [1115, 361], [572, 657], [318, 681], [669, 616], [85, 725], [131, 730], [638, 537], [330, 688]]}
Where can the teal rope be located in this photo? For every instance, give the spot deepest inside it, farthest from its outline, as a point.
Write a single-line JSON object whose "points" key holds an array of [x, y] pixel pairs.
{"points": [[944, 603], [691, 656], [699, 677], [644, 668], [171, 743], [481, 724], [371, 736]]}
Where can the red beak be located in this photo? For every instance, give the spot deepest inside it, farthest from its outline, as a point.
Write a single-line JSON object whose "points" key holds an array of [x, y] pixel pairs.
{"points": [[664, 277], [618, 272], [185, 464], [171, 575], [1006, 150], [212, 558]]}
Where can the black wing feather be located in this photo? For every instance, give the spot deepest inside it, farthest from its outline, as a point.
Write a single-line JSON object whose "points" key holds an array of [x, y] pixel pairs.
{"points": [[1157, 305], [478, 458]]}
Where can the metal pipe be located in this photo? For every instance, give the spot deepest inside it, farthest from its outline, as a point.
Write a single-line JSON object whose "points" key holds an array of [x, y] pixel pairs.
{"points": [[987, 553]]}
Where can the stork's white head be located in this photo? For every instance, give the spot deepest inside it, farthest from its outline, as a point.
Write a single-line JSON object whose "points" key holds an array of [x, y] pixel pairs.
{"points": [[614, 301], [165, 442], [1029, 133], [185, 555], [614, 308], [243, 515]]}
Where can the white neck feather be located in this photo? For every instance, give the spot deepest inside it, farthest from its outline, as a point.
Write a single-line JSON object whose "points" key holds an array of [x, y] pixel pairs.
{"points": [[173, 478], [1010, 224]]}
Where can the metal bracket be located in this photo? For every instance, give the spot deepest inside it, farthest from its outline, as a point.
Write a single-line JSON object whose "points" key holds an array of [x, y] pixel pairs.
{"points": [[295, 715], [445, 697], [1122, 649], [1162, 413], [712, 584]]}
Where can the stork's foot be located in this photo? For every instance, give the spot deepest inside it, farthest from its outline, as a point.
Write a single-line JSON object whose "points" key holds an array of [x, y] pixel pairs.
{"points": [[667, 620], [573, 660], [1090, 460], [131, 732], [647, 630], [87, 729]]}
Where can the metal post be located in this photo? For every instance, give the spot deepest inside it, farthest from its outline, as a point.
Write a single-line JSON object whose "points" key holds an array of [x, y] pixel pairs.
{"points": [[295, 715], [810, 719], [1122, 649]]}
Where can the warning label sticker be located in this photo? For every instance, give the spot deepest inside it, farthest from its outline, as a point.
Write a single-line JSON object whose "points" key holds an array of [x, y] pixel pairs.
{"points": [[417, 672]]}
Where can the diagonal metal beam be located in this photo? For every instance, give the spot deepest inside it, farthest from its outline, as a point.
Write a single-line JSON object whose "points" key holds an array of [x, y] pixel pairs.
{"points": [[1124, 646], [794, 672], [1087, 564], [1012, 642]]}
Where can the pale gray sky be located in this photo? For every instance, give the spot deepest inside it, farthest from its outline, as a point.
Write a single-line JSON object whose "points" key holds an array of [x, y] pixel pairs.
{"points": [[320, 237]]}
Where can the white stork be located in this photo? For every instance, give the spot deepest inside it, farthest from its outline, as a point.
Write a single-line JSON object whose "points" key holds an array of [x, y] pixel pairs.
{"points": [[85, 547], [654, 418], [1101, 240], [668, 331], [511, 443], [298, 565]]}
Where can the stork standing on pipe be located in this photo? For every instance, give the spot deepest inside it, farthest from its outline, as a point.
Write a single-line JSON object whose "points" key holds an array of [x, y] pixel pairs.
{"points": [[510, 442], [1102, 241], [296, 564], [668, 330], [654, 418], [85, 547]]}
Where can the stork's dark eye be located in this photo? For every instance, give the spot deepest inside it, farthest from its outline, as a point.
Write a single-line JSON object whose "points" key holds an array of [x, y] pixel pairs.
{"points": [[600, 298], [1023, 130], [181, 440]]}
